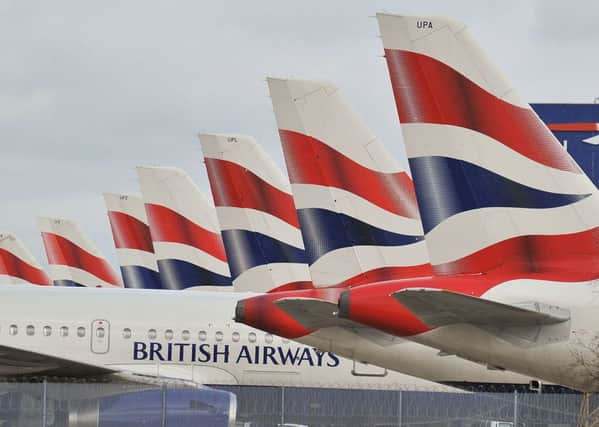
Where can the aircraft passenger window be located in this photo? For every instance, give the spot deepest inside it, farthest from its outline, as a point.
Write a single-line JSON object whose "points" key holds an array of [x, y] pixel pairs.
{"points": [[152, 334], [13, 330], [235, 336], [64, 331], [202, 335], [252, 337], [268, 338], [168, 334], [80, 331], [30, 330], [185, 335], [100, 332], [219, 336], [126, 333], [47, 331]]}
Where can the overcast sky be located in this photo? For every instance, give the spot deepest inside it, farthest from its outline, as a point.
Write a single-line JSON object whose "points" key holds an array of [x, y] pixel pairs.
{"points": [[88, 90]]}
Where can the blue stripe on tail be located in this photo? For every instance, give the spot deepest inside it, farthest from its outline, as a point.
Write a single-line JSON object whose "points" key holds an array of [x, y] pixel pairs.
{"points": [[138, 277], [247, 249], [178, 274], [446, 187], [324, 231]]}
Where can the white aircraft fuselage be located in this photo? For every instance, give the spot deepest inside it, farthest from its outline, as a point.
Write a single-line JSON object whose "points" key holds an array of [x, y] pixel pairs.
{"points": [[191, 336]]}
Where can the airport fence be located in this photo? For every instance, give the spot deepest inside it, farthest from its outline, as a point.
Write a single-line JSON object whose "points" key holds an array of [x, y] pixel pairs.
{"points": [[275, 406], [120, 405]]}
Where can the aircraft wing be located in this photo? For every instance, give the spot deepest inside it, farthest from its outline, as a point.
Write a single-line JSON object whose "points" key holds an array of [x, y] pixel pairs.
{"points": [[21, 363], [437, 307], [16, 363]]}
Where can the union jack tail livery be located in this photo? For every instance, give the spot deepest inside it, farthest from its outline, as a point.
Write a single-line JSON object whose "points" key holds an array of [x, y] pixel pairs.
{"points": [[496, 190], [257, 215], [184, 230], [132, 240], [17, 265], [356, 206], [73, 259]]}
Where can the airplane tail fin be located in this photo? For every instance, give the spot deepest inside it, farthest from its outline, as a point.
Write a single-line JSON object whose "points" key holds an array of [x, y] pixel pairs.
{"points": [[132, 240], [184, 230], [257, 215], [74, 260], [495, 189], [356, 205], [18, 265]]}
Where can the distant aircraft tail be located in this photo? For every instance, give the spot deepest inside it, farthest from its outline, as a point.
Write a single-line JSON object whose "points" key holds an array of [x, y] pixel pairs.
{"points": [[356, 205], [132, 240], [184, 230], [257, 216], [18, 265], [576, 127], [73, 259], [496, 191]]}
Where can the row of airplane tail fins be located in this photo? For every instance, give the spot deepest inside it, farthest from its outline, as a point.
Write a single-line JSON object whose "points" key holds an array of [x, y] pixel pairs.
{"points": [[348, 213]]}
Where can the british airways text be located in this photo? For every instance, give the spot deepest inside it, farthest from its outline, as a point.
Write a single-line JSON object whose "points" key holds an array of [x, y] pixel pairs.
{"points": [[221, 353]]}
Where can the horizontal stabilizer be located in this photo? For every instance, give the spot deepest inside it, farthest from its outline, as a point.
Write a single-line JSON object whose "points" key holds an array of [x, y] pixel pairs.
{"points": [[437, 307], [312, 313]]}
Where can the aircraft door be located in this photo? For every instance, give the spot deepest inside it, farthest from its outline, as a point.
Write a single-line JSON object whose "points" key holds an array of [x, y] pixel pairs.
{"points": [[361, 369], [100, 336]]}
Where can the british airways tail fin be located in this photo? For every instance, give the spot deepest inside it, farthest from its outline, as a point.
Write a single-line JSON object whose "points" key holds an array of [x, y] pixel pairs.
{"points": [[132, 240], [496, 190], [356, 205], [184, 229], [257, 215], [74, 260], [18, 265]]}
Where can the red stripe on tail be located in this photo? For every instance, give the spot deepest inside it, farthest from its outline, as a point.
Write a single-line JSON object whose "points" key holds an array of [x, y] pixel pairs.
{"points": [[238, 187], [14, 266], [428, 91], [166, 225], [310, 161], [573, 127], [61, 251], [563, 257], [129, 232]]}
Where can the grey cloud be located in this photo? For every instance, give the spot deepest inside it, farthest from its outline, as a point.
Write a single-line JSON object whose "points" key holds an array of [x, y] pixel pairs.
{"points": [[567, 22], [89, 90]]}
